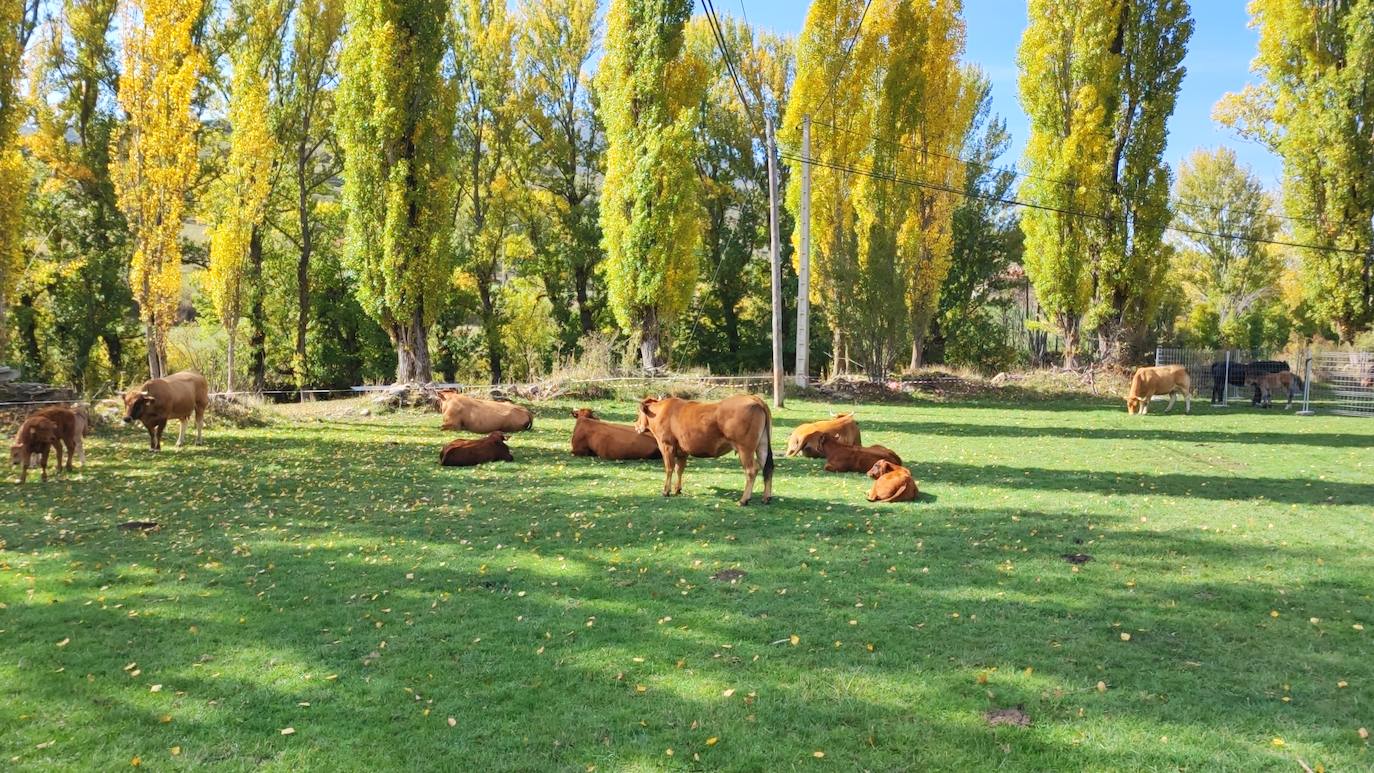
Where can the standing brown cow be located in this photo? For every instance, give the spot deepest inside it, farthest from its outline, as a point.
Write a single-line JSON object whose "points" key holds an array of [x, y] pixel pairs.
{"points": [[470, 453], [160, 400], [73, 424], [841, 427], [36, 437], [593, 437], [686, 428], [471, 414]]}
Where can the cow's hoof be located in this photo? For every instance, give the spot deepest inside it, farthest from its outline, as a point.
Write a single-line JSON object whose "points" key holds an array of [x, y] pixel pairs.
{"points": [[666, 495], [744, 503], [768, 500]]}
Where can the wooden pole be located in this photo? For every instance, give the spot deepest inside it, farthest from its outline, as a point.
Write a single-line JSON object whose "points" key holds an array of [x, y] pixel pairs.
{"points": [[771, 151], [804, 262]]}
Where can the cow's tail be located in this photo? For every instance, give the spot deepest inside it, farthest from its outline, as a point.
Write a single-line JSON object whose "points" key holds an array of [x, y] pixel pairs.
{"points": [[530, 424], [768, 448]]}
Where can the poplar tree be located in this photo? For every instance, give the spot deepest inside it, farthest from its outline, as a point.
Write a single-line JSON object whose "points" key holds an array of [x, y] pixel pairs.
{"points": [[650, 211], [1067, 89], [157, 160], [397, 99], [17, 21], [1314, 107], [240, 205]]}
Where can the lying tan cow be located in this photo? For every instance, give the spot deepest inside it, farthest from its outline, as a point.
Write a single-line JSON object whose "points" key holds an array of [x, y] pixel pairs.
{"points": [[37, 436], [841, 427], [1159, 380], [846, 458], [470, 453], [472, 414], [1268, 382], [593, 437], [891, 483], [160, 400], [686, 428]]}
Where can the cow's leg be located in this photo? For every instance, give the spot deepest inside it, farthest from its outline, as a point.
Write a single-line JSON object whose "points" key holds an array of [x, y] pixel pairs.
{"points": [[200, 422], [44, 460], [749, 458], [681, 468], [1173, 397], [669, 461], [182, 434], [24, 467], [765, 453], [1187, 401]]}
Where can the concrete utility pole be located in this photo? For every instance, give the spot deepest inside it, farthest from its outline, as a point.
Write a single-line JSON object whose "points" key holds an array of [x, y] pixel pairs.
{"points": [[771, 151], [804, 262]]}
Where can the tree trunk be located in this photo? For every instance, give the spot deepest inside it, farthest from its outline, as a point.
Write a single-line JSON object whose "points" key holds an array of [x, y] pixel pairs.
{"points": [[491, 330], [1070, 330], [157, 351], [917, 352], [581, 279], [648, 340], [411, 340], [257, 315], [836, 352], [731, 319], [303, 289], [229, 363]]}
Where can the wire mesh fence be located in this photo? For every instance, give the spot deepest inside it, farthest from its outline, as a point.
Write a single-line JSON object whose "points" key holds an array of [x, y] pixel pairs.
{"points": [[1326, 380]]}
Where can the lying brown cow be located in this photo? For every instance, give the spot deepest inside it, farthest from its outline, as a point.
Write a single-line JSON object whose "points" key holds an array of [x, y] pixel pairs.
{"points": [[686, 428], [37, 436], [161, 400], [891, 483], [593, 437], [841, 427], [1159, 380], [470, 453], [846, 458], [471, 414]]}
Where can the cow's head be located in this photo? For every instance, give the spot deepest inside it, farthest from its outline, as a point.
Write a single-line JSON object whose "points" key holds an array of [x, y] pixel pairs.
{"points": [[1133, 404], [648, 409], [136, 402], [16, 455], [583, 413], [881, 468], [497, 437]]}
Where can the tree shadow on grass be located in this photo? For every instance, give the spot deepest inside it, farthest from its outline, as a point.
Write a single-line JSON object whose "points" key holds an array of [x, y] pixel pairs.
{"points": [[1025, 431]]}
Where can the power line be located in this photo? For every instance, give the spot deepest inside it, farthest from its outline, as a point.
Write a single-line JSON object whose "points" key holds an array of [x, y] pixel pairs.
{"points": [[1057, 181], [893, 177], [718, 31], [848, 50]]}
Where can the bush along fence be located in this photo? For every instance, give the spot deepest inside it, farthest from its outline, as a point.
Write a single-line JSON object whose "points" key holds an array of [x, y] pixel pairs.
{"points": [[1337, 381]]}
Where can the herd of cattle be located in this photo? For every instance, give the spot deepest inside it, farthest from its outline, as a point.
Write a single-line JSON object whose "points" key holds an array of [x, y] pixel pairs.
{"points": [[671, 429], [1265, 376]]}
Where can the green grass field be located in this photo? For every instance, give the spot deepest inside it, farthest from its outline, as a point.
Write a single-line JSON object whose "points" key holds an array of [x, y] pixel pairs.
{"points": [[327, 578]]}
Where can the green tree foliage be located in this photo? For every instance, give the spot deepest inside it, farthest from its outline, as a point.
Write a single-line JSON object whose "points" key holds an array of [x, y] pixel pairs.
{"points": [[1314, 108], [1129, 252], [567, 147], [76, 289], [1229, 279], [650, 212], [986, 239], [732, 326], [489, 138], [397, 102]]}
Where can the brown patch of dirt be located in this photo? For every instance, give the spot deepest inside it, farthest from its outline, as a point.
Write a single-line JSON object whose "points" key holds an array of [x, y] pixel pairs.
{"points": [[1015, 717], [728, 575], [1077, 558]]}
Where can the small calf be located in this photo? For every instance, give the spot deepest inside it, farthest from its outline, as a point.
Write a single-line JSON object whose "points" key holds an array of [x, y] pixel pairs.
{"points": [[36, 437], [845, 458], [470, 453], [891, 483]]}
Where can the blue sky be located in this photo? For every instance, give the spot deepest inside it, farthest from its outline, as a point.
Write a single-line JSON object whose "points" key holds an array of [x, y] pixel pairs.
{"points": [[1218, 61]]}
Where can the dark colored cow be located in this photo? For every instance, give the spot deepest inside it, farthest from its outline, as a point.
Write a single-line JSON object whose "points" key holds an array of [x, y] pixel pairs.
{"points": [[470, 453], [1240, 372]]}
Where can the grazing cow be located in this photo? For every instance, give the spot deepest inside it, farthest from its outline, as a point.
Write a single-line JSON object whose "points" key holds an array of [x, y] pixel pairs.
{"points": [[841, 427], [73, 424], [470, 453], [471, 414], [1238, 375], [593, 437], [1266, 383], [1159, 380], [36, 437], [160, 400], [686, 428], [840, 457], [891, 483]]}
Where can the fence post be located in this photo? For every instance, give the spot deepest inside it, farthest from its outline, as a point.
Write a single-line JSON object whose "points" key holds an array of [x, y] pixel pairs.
{"points": [[1159, 355], [1307, 388], [1226, 382]]}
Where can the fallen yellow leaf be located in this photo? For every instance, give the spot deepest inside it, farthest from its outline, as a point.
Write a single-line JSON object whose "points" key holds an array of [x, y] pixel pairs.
{"points": [[712, 741], [135, 762], [1273, 613], [288, 731], [452, 722], [728, 693], [64, 642], [1277, 742], [795, 639], [818, 754], [1125, 636], [176, 751], [1101, 686]]}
